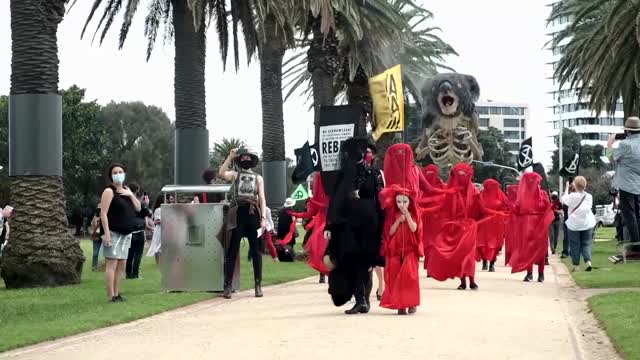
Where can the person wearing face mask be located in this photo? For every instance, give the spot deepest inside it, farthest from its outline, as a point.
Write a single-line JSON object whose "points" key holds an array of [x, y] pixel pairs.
{"points": [[119, 208], [247, 214], [453, 254], [353, 229]]}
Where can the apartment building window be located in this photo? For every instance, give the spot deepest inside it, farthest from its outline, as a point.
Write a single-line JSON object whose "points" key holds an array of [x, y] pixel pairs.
{"points": [[482, 110], [494, 110], [512, 135], [619, 107], [484, 122], [559, 50], [619, 122], [522, 135], [513, 146], [511, 123], [522, 123]]}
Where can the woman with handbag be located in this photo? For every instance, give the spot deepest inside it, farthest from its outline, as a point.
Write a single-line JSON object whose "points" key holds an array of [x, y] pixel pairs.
{"points": [[580, 222]]}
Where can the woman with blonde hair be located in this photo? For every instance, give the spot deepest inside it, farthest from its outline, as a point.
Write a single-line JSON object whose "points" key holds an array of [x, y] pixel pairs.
{"points": [[580, 222]]}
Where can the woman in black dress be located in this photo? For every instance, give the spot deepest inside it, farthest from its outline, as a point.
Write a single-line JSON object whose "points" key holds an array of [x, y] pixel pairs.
{"points": [[354, 228]]}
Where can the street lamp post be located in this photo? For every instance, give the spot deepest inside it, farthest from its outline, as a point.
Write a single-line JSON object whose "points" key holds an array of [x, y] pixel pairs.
{"points": [[560, 157]]}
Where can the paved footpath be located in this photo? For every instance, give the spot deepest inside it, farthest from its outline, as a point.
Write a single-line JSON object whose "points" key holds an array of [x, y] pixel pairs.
{"points": [[505, 319]]}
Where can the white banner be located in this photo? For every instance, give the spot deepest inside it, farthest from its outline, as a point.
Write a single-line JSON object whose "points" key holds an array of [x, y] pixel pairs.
{"points": [[331, 139]]}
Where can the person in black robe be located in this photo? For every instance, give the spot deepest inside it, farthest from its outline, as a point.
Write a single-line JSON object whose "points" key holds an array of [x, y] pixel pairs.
{"points": [[354, 228]]}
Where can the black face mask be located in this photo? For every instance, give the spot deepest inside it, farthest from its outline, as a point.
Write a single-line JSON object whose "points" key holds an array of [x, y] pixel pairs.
{"points": [[246, 164]]}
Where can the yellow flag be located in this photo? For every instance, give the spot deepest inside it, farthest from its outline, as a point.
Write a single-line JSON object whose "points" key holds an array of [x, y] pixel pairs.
{"points": [[388, 101]]}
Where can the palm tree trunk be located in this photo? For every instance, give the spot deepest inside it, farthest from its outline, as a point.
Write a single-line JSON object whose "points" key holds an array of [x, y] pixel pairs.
{"points": [[358, 94], [192, 137], [274, 167], [323, 66], [41, 250]]}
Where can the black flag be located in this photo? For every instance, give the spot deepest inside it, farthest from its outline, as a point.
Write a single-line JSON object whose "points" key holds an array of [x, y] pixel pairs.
{"points": [[304, 164], [525, 156], [573, 169], [539, 169]]}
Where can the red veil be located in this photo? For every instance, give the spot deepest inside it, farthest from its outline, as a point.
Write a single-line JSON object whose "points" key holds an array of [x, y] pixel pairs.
{"points": [[402, 251], [453, 252], [533, 215], [317, 211], [491, 232], [431, 220], [399, 168], [430, 173], [511, 232]]}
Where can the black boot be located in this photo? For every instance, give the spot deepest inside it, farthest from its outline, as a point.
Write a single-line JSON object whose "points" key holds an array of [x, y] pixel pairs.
{"points": [[485, 265], [528, 277], [322, 279], [492, 266], [258, 289], [227, 290], [463, 284], [541, 277], [359, 308], [367, 291]]}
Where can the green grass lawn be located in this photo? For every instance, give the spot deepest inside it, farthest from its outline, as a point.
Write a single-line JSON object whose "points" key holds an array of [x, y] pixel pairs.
{"points": [[619, 316], [35, 315], [605, 273]]}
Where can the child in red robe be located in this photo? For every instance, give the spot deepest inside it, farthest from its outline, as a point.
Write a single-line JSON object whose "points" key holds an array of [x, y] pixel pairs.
{"points": [[533, 215], [402, 250], [491, 232]]}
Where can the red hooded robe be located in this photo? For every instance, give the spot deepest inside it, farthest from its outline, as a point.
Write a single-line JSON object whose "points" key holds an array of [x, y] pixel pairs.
{"points": [[491, 232], [402, 252], [533, 215], [511, 231], [317, 211], [454, 247], [430, 220]]}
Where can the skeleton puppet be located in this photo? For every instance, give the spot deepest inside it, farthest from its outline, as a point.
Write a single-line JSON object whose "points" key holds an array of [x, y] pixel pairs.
{"points": [[450, 120]]}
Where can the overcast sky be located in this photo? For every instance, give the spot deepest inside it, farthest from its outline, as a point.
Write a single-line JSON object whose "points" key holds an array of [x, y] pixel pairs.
{"points": [[499, 41]]}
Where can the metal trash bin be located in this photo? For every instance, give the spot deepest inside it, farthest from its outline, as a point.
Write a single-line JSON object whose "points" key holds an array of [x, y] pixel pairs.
{"points": [[192, 256]]}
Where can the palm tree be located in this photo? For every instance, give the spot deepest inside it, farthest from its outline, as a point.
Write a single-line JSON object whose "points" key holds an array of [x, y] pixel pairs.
{"points": [[185, 22], [370, 45], [41, 251], [222, 148], [600, 59]]}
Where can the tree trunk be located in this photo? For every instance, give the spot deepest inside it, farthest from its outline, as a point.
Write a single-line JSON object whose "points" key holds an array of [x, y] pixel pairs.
{"points": [[323, 66], [192, 137], [273, 146], [358, 94], [41, 250]]}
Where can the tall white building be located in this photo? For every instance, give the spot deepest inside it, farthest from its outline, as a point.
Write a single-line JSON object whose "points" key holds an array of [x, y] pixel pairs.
{"points": [[510, 118], [574, 112]]}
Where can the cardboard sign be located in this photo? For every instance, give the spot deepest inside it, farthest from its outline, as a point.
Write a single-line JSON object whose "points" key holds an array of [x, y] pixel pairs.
{"points": [[331, 139]]}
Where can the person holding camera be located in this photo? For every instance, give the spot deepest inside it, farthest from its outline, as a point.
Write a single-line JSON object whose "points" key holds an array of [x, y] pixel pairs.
{"points": [[627, 178]]}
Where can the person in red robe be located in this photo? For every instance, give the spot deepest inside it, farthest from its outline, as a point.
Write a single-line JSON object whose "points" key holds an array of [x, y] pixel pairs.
{"points": [[492, 231], [316, 210], [533, 215], [430, 219], [511, 233], [453, 254], [401, 249]]}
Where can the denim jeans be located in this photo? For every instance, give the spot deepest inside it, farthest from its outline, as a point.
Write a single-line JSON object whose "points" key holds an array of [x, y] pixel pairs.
{"points": [[96, 251], [565, 240], [580, 244]]}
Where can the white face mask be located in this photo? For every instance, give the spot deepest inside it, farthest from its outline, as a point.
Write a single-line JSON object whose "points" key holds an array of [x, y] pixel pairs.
{"points": [[118, 178]]}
